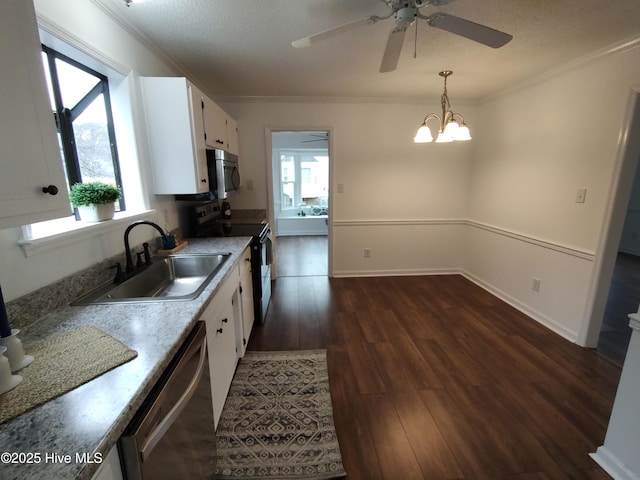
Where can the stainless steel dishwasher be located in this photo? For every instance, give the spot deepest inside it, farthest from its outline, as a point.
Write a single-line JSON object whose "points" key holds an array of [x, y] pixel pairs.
{"points": [[172, 435]]}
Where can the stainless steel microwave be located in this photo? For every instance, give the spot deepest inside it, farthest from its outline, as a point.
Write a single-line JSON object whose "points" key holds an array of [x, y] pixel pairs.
{"points": [[224, 175]]}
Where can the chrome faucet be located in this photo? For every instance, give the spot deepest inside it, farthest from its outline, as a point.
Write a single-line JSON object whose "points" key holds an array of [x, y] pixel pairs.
{"points": [[129, 268]]}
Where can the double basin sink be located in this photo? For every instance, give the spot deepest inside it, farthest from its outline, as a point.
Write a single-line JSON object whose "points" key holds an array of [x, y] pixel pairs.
{"points": [[175, 277]]}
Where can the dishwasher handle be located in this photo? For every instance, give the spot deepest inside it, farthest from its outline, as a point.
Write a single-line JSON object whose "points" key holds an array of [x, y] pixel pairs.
{"points": [[164, 424]]}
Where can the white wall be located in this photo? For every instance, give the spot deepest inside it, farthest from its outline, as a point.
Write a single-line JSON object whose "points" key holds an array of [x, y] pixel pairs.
{"points": [[102, 38], [513, 187], [536, 146], [402, 200]]}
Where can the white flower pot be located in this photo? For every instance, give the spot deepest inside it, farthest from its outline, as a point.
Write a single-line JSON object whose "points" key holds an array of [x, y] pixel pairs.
{"points": [[97, 213]]}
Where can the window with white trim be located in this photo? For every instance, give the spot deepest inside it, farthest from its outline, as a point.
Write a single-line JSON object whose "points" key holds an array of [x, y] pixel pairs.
{"points": [[117, 84], [304, 178], [82, 109]]}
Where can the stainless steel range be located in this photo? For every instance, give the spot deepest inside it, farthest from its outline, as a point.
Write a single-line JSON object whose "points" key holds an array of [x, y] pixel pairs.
{"points": [[204, 220]]}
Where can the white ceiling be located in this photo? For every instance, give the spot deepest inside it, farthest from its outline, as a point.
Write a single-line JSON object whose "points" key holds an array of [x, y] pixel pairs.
{"points": [[243, 47]]}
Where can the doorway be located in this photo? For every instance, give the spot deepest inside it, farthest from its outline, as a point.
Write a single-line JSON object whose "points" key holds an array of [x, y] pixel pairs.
{"points": [[624, 291], [300, 201], [611, 234]]}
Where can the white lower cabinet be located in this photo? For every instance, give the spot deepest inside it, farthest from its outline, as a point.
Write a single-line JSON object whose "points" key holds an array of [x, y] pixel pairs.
{"points": [[222, 359], [110, 468], [246, 302], [220, 320], [229, 319]]}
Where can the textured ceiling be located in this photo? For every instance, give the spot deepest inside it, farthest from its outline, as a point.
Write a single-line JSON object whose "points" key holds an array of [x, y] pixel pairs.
{"points": [[243, 47]]}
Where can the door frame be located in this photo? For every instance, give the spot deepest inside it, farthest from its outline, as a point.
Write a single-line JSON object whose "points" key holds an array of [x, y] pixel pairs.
{"points": [[622, 179], [270, 193]]}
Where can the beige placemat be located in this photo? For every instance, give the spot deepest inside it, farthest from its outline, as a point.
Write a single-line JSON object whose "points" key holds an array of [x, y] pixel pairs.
{"points": [[62, 363]]}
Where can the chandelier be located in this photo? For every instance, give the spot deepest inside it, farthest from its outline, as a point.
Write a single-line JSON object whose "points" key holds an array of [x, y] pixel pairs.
{"points": [[452, 126]]}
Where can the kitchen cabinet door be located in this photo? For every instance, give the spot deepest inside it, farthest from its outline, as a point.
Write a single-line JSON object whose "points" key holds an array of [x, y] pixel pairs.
{"points": [[110, 468], [175, 127], [215, 125], [29, 154], [222, 356], [246, 300], [220, 321], [232, 136]]}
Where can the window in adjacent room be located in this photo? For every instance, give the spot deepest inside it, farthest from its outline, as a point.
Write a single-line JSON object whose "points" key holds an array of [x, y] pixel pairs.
{"points": [[304, 178]]}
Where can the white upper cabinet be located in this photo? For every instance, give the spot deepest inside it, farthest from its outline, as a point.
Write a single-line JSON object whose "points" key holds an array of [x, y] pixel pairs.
{"points": [[173, 110], [215, 125], [29, 153], [232, 136], [221, 131]]}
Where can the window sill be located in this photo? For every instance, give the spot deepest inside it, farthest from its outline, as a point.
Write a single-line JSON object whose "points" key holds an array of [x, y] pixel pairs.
{"points": [[79, 231]]}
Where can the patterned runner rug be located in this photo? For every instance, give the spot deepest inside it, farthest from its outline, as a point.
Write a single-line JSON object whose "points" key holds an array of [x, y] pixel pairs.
{"points": [[277, 422]]}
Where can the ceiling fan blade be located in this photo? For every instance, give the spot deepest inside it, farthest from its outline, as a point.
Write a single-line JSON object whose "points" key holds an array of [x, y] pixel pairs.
{"points": [[471, 30], [393, 49], [306, 41]]}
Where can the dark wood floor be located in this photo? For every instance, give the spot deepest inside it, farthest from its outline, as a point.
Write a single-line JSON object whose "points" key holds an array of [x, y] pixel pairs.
{"points": [[302, 256], [624, 298], [433, 378]]}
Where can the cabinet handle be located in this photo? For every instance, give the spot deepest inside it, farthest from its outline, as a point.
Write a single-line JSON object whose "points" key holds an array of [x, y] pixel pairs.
{"points": [[51, 190], [225, 320], [219, 330]]}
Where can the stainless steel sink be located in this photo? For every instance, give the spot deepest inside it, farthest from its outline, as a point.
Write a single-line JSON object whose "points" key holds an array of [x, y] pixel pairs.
{"points": [[176, 277]]}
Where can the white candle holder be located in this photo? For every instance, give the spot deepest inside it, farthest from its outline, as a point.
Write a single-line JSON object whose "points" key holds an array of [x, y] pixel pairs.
{"points": [[7, 380], [15, 352]]}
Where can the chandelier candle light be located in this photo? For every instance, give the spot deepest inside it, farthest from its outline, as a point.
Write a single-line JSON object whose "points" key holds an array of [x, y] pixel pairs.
{"points": [[452, 126]]}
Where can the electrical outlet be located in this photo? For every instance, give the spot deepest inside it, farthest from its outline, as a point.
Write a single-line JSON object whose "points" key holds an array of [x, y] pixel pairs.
{"points": [[581, 195], [535, 285], [367, 252]]}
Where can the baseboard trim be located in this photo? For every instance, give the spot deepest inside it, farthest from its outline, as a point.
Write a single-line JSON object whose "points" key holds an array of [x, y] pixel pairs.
{"points": [[612, 464], [524, 308], [393, 273]]}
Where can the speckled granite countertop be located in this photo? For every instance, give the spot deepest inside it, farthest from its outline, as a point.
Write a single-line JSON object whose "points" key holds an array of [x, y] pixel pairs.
{"points": [[92, 417], [248, 216]]}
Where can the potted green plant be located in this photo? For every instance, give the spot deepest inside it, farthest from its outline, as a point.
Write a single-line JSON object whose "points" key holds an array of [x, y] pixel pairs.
{"points": [[94, 200]]}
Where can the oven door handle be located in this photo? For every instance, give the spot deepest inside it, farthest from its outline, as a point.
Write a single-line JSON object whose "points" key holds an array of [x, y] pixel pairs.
{"points": [[168, 420], [269, 245]]}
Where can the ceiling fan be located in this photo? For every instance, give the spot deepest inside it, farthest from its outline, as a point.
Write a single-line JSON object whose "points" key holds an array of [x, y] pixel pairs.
{"points": [[323, 137], [406, 12]]}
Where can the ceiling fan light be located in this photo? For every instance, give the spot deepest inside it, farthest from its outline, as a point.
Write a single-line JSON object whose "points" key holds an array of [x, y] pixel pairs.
{"points": [[423, 135], [463, 134]]}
